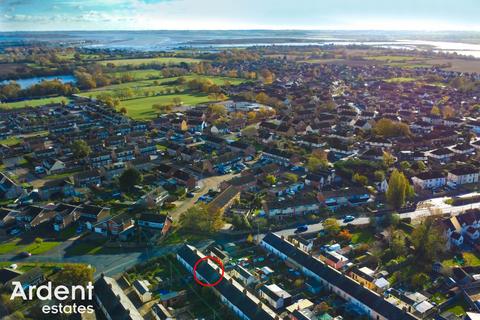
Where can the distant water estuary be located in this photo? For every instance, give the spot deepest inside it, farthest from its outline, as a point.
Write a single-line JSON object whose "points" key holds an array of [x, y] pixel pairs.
{"points": [[28, 82]]}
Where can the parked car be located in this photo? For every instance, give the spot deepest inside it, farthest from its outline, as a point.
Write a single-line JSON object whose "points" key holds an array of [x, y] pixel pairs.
{"points": [[190, 195], [347, 219], [301, 229], [24, 254]]}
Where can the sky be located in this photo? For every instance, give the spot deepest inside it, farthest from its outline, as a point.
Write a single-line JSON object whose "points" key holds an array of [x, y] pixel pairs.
{"points": [[425, 15]]}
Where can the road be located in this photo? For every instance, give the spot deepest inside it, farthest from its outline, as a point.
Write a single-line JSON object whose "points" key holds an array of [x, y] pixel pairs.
{"points": [[113, 264], [109, 264], [424, 209]]}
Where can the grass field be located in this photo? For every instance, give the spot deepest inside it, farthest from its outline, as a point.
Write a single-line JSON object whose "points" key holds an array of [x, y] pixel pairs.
{"points": [[400, 80], [33, 103], [10, 141], [14, 246], [141, 108], [159, 92], [158, 60], [139, 74]]}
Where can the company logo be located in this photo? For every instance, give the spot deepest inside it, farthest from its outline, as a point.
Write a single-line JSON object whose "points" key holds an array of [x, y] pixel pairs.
{"points": [[47, 292]]}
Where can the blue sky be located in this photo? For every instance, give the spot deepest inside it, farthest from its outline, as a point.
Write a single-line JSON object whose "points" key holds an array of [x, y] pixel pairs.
{"points": [[239, 14]]}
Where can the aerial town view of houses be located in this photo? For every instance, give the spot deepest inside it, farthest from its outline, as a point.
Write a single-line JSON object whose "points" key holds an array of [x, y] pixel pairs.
{"points": [[224, 180]]}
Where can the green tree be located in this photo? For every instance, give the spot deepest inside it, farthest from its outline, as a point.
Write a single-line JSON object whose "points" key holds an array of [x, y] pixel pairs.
{"points": [[388, 159], [81, 149], [129, 178], [360, 179], [419, 280], [429, 240], [331, 226], [398, 190], [74, 274], [270, 179], [397, 243], [201, 218]]}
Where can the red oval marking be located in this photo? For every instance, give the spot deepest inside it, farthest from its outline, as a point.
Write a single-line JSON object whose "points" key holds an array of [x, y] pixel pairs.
{"points": [[214, 259]]}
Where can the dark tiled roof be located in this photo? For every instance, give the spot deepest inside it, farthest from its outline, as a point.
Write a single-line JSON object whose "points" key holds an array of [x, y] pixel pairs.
{"points": [[232, 292], [337, 279]]}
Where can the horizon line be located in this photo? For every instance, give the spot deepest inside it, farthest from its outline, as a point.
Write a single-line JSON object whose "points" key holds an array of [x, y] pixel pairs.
{"points": [[253, 29]]}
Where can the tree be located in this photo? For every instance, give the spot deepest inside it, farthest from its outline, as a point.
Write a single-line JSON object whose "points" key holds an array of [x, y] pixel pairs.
{"points": [[201, 218], [435, 111], [317, 160], [292, 177], [360, 179], [379, 175], [74, 274], [129, 178], [345, 235], [249, 131], [397, 243], [419, 280], [262, 98], [388, 159], [271, 179], [389, 128], [398, 189], [331, 226], [81, 149], [217, 109], [429, 240], [177, 101], [448, 112]]}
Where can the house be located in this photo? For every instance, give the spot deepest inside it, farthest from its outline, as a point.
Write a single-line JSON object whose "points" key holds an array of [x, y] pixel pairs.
{"points": [[429, 180], [87, 178], [366, 277], [62, 187], [33, 216], [119, 223], [184, 178], [151, 220], [91, 215], [155, 197], [30, 278], [243, 275], [53, 166], [7, 216], [281, 157], [291, 207], [159, 312], [442, 155], [346, 197], [366, 301], [141, 288], [304, 244], [334, 259], [8, 188], [7, 274], [242, 303], [274, 295], [112, 302], [225, 199], [463, 175], [320, 179], [65, 215]]}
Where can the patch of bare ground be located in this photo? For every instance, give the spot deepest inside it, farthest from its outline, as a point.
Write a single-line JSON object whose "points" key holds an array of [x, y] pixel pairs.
{"points": [[459, 65]]}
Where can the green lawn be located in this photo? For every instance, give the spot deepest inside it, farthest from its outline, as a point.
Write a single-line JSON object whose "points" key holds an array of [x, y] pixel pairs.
{"points": [[158, 60], [362, 236], [141, 108], [10, 141], [391, 58], [39, 248], [161, 92], [9, 246], [471, 259], [400, 80], [459, 308], [140, 74], [14, 246], [33, 102]]}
